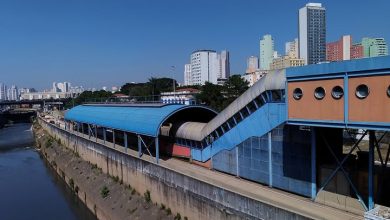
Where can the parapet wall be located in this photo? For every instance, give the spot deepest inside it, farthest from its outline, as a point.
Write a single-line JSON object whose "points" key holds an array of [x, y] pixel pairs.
{"points": [[182, 193]]}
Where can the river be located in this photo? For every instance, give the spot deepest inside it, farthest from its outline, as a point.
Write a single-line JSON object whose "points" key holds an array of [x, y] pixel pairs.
{"points": [[29, 189]]}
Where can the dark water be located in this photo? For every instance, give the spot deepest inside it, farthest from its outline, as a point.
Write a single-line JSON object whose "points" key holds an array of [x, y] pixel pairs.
{"points": [[29, 189]]}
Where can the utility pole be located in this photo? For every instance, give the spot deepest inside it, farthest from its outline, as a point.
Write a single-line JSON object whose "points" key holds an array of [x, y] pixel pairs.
{"points": [[174, 82]]}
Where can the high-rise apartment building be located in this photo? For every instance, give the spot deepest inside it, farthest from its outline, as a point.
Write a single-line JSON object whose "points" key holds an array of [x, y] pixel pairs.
{"points": [[292, 49], [187, 74], [266, 52], [357, 51], [252, 64], [13, 93], [374, 47], [208, 66], [312, 33], [224, 60], [3, 92], [339, 50], [205, 67]]}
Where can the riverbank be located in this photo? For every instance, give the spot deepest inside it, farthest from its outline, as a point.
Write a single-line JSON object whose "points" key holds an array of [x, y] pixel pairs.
{"points": [[106, 196]]}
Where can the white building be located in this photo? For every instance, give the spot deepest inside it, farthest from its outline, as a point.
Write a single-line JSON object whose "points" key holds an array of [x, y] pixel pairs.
{"points": [[266, 52], [61, 87], [3, 92], [253, 77], [204, 67], [187, 74], [292, 48], [13, 93], [47, 95], [252, 64], [182, 96], [208, 66]]}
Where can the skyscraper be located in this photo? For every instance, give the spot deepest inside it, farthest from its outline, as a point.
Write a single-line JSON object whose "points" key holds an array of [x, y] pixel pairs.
{"points": [[374, 47], [3, 92], [266, 52], [224, 60], [252, 64], [187, 74], [312, 33]]}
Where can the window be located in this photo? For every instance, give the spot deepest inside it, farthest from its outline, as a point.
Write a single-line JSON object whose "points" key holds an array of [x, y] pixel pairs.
{"points": [[276, 95], [337, 92], [259, 101], [251, 106], [297, 93], [219, 131], [225, 127], [231, 122], [238, 117], [319, 93], [362, 91], [388, 91], [244, 111]]}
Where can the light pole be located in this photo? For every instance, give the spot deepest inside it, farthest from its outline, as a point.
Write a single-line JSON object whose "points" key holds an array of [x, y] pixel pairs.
{"points": [[173, 68]]}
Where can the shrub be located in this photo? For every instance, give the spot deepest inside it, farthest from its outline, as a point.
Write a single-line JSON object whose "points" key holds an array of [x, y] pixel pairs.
{"points": [[177, 217], [147, 196], [104, 192], [133, 191], [162, 206], [71, 183], [168, 211], [76, 189]]}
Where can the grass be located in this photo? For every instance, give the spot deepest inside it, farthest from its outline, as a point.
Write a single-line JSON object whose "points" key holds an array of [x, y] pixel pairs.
{"points": [[104, 192]]}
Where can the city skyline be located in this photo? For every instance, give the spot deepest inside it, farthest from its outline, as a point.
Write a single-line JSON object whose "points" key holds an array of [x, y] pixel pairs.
{"points": [[77, 44]]}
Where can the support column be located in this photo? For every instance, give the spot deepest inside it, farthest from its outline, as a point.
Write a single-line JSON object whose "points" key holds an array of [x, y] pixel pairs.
{"points": [[104, 135], [125, 139], [270, 158], [313, 164], [237, 167], [96, 133], [157, 149], [89, 131], [113, 138], [139, 146], [82, 128], [371, 170]]}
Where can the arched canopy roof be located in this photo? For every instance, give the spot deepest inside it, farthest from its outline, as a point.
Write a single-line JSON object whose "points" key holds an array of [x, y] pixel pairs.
{"points": [[138, 119]]}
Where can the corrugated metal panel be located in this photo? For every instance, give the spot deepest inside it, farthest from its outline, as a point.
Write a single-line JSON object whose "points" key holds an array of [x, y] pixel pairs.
{"points": [[274, 80], [145, 120], [190, 131]]}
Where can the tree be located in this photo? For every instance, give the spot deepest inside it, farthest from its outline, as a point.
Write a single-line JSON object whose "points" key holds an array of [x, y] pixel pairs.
{"points": [[212, 96]]}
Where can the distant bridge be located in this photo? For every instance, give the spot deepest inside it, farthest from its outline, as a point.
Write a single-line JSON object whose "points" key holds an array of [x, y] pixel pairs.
{"points": [[41, 102]]}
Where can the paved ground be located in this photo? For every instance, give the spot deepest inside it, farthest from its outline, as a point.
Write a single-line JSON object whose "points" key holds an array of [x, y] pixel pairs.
{"points": [[264, 194]]}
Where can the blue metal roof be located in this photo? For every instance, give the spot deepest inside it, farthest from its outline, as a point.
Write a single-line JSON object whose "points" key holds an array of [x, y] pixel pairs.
{"points": [[351, 66], [145, 120]]}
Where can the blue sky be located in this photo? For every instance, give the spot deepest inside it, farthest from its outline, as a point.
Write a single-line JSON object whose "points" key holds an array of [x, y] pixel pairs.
{"points": [[110, 42]]}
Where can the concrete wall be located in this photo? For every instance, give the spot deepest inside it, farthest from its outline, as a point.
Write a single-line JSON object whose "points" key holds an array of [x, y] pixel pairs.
{"points": [[182, 193]]}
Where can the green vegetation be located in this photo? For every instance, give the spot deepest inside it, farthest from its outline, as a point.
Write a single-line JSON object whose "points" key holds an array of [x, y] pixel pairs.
{"points": [[219, 97], [177, 217], [162, 206], [104, 192], [215, 96], [147, 196], [71, 183], [115, 178], [49, 142], [168, 211]]}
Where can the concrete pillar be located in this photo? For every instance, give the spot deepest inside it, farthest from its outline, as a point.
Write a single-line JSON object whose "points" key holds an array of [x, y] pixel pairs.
{"points": [[113, 138], [89, 131], [104, 135], [237, 164]]}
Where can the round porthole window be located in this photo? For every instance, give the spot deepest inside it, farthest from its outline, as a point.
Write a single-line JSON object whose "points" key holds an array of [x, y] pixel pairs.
{"points": [[388, 91], [362, 91], [297, 93], [319, 93], [337, 92]]}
